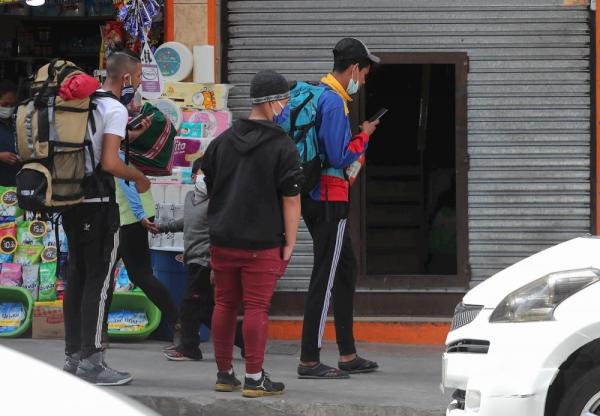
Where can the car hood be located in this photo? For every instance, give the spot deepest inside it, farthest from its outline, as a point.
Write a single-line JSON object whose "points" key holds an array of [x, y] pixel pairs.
{"points": [[578, 253]]}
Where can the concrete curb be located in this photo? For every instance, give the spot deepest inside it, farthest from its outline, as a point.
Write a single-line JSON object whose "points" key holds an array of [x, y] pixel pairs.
{"points": [[172, 406]]}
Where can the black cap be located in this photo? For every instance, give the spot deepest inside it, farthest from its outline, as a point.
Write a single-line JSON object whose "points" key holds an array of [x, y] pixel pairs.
{"points": [[268, 86], [351, 48]]}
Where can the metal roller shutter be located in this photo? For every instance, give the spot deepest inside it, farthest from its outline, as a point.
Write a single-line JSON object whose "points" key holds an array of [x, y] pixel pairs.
{"points": [[528, 108]]}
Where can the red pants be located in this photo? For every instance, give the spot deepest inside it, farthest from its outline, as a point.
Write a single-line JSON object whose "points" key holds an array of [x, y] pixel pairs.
{"points": [[249, 277]]}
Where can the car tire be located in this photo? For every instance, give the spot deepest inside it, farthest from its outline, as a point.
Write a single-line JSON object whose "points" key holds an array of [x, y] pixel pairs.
{"points": [[578, 394]]}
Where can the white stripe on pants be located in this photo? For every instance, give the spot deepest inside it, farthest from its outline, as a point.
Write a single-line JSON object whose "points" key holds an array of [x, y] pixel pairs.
{"points": [[332, 272], [104, 292]]}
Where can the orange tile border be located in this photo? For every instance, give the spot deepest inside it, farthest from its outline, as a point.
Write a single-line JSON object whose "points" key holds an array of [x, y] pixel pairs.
{"points": [[421, 333]]}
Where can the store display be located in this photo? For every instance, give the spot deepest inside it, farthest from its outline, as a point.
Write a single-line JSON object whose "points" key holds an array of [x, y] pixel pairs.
{"points": [[204, 64], [175, 61], [190, 129], [12, 315]]}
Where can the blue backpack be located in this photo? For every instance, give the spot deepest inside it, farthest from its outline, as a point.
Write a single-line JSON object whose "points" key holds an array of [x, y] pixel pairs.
{"points": [[300, 126]]}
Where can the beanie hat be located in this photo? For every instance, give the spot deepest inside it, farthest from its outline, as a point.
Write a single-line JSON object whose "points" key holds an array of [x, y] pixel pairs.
{"points": [[267, 86]]}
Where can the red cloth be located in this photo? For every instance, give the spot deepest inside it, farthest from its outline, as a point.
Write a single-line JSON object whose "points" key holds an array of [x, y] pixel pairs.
{"points": [[78, 87], [249, 277]]}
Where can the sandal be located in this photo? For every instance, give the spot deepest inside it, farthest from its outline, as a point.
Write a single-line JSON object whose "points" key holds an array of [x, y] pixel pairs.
{"points": [[321, 371], [359, 365]]}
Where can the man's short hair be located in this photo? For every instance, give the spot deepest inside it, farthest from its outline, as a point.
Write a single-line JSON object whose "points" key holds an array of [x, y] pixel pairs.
{"points": [[121, 62], [196, 165], [340, 65], [7, 86]]}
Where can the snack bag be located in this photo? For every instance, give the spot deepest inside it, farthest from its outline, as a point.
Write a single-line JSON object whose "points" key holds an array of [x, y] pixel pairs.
{"points": [[47, 291], [31, 280], [8, 242], [9, 210], [28, 254], [122, 282], [10, 274]]}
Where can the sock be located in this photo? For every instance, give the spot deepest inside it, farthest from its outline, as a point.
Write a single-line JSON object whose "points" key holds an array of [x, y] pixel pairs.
{"points": [[255, 377], [230, 372]]}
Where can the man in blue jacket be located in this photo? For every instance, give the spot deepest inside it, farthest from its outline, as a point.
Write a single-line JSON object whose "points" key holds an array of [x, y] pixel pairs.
{"points": [[325, 213]]}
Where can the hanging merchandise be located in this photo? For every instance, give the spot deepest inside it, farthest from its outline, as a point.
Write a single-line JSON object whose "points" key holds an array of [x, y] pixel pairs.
{"points": [[175, 61], [152, 83], [137, 17], [202, 96], [170, 109], [113, 38]]}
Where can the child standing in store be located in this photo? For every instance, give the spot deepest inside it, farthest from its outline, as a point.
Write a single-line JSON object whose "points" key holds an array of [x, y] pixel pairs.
{"points": [[198, 300]]}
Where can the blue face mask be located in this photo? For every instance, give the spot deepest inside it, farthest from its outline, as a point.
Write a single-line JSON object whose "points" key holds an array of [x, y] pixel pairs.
{"points": [[283, 115], [127, 94], [352, 86]]}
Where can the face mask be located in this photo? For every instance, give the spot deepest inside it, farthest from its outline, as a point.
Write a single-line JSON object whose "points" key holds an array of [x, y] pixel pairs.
{"points": [[127, 94], [200, 184], [6, 112], [283, 115], [352, 86]]}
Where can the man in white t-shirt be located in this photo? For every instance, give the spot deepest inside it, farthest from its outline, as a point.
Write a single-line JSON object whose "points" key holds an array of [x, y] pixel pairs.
{"points": [[92, 227]]}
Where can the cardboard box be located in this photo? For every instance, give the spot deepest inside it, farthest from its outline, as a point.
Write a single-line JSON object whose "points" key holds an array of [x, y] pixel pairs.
{"points": [[48, 320]]}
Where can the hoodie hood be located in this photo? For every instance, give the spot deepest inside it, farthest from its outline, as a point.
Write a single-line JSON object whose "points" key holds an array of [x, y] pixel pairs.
{"points": [[250, 134]]}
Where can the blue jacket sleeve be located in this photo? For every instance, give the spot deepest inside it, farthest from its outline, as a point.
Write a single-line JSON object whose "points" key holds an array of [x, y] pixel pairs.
{"points": [[135, 203], [334, 133]]}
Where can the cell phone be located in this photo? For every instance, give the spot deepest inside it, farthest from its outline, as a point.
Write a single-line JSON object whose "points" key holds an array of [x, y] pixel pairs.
{"points": [[378, 114], [135, 122]]}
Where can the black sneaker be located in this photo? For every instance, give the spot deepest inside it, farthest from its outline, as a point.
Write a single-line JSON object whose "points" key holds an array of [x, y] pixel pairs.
{"points": [[71, 363], [95, 370], [227, 383], [262, 387]]}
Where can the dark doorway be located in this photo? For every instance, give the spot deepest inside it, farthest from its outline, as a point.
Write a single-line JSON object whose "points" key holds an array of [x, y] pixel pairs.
{"points": [[413, 193]]}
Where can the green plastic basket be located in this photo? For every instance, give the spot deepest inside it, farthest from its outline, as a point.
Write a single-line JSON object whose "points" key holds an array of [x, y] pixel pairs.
{"points": [[134, 301], [17, 294]]}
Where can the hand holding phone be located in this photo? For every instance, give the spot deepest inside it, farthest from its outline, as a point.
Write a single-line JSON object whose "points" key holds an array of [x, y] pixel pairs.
{"points": [[137, 121], [378, 115]]}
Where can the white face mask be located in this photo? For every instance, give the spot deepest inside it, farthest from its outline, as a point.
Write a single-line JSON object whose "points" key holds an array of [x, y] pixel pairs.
{"points": [[353, 86], [6, 112], [200, 184]]}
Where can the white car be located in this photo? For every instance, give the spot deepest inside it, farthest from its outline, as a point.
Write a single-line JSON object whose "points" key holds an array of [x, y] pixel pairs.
{"points": [[526, 342], [31, 387]]}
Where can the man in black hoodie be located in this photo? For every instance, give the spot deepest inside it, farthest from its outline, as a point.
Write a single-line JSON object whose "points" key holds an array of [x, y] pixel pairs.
{"points": [[252, 172]]}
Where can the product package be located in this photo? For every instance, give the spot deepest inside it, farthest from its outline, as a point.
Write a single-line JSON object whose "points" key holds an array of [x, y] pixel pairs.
{"points": [[12, 316], [31, 280], [127, 321], [27, 254], [47, 291], [10, 274], [9, 210]]}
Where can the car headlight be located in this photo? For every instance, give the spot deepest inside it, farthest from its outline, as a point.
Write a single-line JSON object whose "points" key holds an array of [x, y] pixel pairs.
{"points": [[538, 300]]}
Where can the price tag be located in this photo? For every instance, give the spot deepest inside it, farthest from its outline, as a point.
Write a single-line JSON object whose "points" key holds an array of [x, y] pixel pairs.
{"points": [[8, 244], [9, 198], [38, 229]]}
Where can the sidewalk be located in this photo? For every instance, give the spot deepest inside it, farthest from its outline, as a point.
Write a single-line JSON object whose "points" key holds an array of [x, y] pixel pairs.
{"points": [[407, 385]]}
